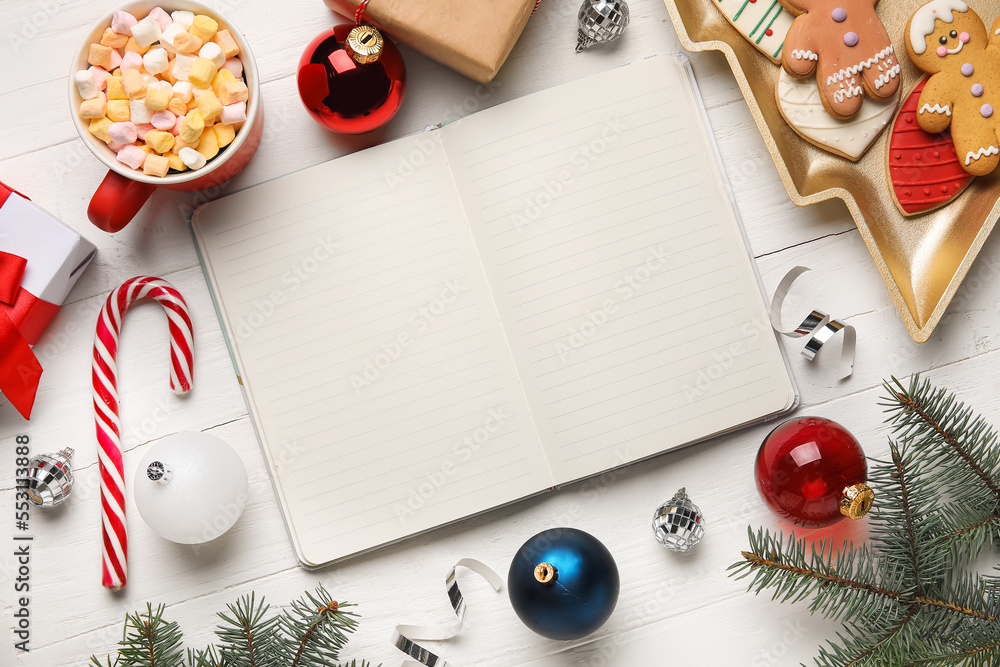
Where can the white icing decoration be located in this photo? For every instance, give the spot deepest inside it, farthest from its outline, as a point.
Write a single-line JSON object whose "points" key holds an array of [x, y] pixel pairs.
{"points": [[805, 54], [922, 22], [937, 108], [982, 152], [956, 49], [840, 95], [802, 108], [884, 78], [752, 15], [864, 64]]}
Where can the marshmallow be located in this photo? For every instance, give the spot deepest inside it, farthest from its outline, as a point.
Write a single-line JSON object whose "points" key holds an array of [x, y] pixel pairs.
{"points": [[95, 107], [163, 120], [132, 45], [179, 143], [134, 83], [100, 55], [184, 90], [139, 112], [149, 79], [116, 91], [122, 22], [191, 127], [122, 133], [234, 113], [186, 43], [132, 156], [202, 72], [213, 52], [221, 77], [231, 93], [159, 141], [235, 65], [119, 110], [191, 158], [156, 165], [226, 42], [156, 99], [171, 32], [116, 60], [208, 144], [86, 84], [113, 39], [161, 17], [155, 61], [165, 86], [99, 128], [182, 17], [146, 31], [100, 76], [175, 162], [142, 129], [131, 60], [209, 106], [116, 147], [182, 66], [203, 27], [176, 107], [224, 134]]}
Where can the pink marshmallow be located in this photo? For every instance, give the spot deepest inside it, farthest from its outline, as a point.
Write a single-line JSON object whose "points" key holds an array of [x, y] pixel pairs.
{"points": [[133, 156], [131, 60], [100, 76], [122, 23], [234, 65], [122, 133], [116, 147], [161, 16], [141, 129], [176, 129], [163, 120], [234, 113], [116, 60]]}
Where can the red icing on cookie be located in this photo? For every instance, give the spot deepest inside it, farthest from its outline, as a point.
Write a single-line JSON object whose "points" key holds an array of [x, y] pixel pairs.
{"points": [[923, 167]]}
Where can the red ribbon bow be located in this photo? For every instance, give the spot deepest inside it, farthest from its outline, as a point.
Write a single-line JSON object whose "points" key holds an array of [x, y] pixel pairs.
{"points": [[19, 368]]}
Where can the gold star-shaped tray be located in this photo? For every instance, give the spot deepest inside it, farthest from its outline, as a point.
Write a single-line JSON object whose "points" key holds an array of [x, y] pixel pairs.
{"points": [[923, 258]]}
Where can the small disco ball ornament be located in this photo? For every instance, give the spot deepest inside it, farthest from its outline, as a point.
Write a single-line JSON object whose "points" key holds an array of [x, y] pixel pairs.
{"points": [[351, 79], [191, 488], [601, 21], [48, 479], [678, 524]]}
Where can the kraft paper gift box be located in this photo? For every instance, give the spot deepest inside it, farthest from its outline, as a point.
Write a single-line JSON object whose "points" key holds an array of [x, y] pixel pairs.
{"points": [[40, 260], [473, 37]]}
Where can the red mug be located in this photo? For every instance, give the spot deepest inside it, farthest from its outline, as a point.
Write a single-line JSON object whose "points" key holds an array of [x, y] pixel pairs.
{"points": [[124, 190]]}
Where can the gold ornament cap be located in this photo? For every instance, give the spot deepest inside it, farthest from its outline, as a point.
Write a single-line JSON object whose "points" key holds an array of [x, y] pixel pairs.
{"points": [[857, 500], [364, 44], [545, 573]]}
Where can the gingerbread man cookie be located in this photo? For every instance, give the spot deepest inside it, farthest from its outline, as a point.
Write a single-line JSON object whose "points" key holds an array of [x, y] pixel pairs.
{"points": [[848, 48], [948, 40]]}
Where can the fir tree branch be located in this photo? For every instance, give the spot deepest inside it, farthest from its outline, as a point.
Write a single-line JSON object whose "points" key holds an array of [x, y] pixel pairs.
{"points": [[907, 511]]}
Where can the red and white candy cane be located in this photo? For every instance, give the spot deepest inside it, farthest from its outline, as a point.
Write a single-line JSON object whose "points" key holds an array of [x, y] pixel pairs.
{"points": [[106, 405]]}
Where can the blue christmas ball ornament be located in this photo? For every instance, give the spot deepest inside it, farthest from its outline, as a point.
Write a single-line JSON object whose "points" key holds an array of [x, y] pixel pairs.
{"points": [[563, 583]]}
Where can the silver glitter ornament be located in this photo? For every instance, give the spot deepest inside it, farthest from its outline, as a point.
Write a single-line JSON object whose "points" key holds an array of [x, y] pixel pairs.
{"points": [[678, 524], [601, 21], [49, 478]]}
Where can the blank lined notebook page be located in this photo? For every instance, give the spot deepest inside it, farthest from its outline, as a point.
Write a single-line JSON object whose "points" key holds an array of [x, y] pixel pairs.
{"points": [[379, 382], [618, 266]]}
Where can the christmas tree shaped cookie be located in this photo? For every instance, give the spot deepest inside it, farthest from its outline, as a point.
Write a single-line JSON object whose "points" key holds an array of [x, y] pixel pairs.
{"points": [[764, 22]]}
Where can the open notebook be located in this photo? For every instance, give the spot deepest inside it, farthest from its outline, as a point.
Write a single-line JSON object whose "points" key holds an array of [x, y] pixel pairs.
{"points": [[540, 292]]}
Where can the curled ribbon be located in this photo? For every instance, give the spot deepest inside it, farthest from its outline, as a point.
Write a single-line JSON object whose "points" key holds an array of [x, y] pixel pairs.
{"points": [[405, 636], [817, 326]]}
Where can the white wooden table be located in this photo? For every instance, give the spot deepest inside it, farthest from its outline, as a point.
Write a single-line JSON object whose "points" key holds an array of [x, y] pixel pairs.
{"points": [[673, 610]]}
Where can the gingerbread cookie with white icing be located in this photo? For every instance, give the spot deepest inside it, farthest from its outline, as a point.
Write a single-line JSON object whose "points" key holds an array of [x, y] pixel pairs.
{"points": [[948, 40], [846, 46]]}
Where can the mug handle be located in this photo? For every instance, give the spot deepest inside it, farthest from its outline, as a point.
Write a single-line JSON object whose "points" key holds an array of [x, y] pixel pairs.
{"points": [[117, 201]]}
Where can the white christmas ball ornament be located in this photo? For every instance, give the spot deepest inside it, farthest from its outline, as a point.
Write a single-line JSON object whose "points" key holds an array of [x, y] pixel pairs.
{"points": [[191, 487]]}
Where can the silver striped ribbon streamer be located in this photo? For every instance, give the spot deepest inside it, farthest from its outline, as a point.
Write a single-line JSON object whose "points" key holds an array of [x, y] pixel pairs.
{"points": [[406, 636], [817, 326]]}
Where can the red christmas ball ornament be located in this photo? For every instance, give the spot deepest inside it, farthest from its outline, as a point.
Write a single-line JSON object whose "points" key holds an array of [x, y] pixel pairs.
{"points": [[812, 472], [351, 79]]}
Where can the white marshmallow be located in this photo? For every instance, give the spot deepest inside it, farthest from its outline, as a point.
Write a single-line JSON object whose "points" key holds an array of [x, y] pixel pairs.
{"points": [[131, 60], [184, 90], [213, 52], [139, 112], [161, 16], [167, 38], [235, 65], [155, 61], [122, 22], [182, 66], [165, 86], [133, 156], [185, 19], [196, 91], [148, 79], [122, 133], [191, 158], [234, 113], [163, 120], [86, 84], [146, 31]]}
